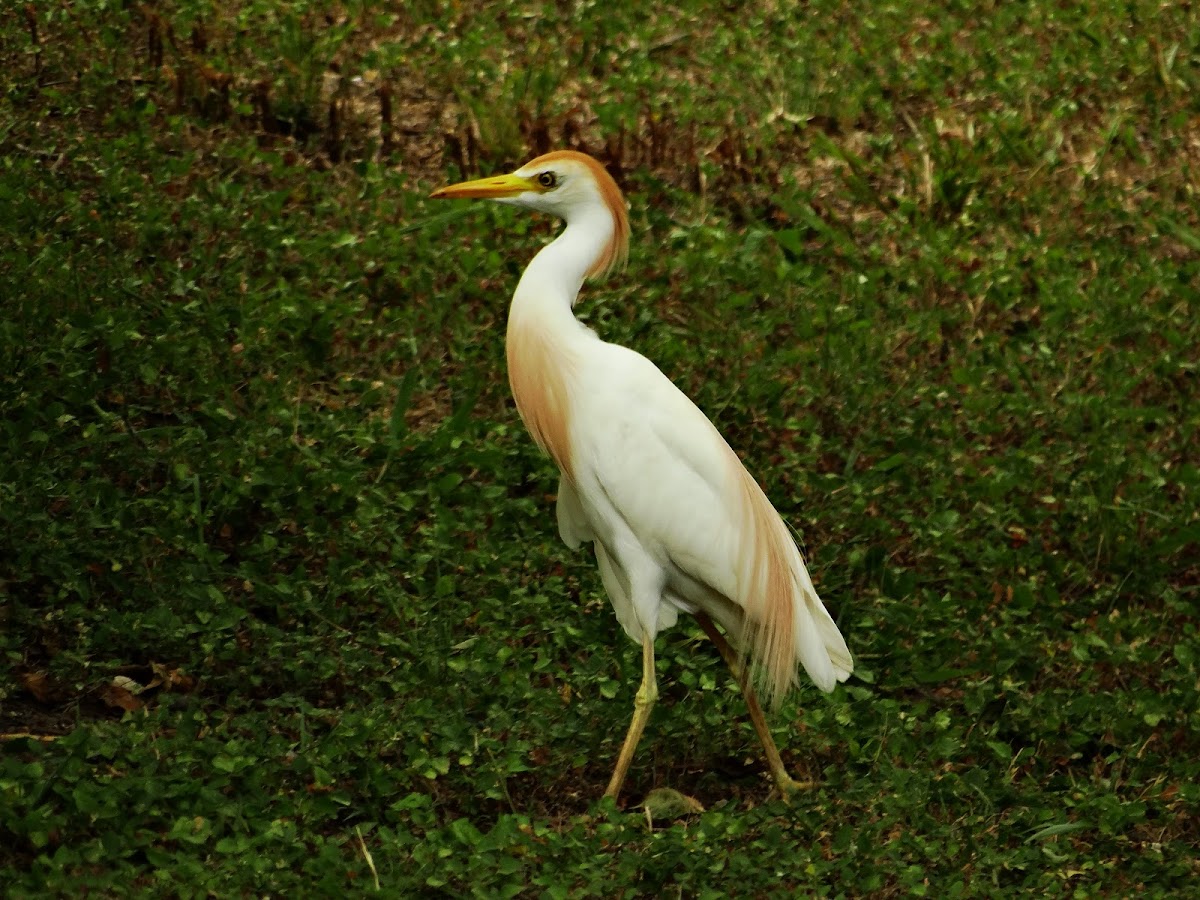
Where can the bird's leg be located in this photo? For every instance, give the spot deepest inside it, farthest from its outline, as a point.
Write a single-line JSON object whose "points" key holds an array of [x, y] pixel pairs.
{"points": [[642, 703], [783, 780]]}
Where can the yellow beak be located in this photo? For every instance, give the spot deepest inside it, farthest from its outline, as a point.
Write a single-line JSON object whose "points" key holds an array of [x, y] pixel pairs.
{"points": [[500, 186]]}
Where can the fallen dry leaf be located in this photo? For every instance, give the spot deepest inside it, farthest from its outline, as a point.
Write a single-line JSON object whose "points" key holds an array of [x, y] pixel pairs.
{"points": [[171, 679], [127, 683], [115, 695], [39, 685]]}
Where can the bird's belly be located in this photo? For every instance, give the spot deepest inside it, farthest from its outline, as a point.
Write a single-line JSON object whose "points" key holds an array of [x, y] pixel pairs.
{"points": [[683, 588]]}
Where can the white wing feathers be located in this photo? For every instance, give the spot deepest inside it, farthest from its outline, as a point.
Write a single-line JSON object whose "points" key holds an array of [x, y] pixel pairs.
{"points": [[572, 525], [651, 468]]}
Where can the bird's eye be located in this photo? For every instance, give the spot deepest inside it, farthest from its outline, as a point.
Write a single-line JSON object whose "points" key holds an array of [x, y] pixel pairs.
{"points": [[547, 180]]}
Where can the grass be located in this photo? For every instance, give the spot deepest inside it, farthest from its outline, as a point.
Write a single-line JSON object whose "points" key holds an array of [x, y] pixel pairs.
{"points": [[284, 608]]}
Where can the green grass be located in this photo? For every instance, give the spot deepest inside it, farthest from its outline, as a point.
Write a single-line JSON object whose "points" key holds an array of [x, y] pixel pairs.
{"points": [[933, 270]]}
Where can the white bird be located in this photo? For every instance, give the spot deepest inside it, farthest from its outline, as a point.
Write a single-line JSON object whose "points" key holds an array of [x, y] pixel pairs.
{"points": [[677, 522]]}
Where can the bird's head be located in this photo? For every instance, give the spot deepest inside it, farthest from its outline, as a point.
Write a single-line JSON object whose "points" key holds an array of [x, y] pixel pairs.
{"points": [[567, 184]]}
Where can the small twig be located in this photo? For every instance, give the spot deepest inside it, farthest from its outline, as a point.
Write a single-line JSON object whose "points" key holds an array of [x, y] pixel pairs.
{"points": [[25, 735], [669, 41], [133, 432], [926, 160], [32, 22], [1109, 136], [367, 856], [386, 126]]}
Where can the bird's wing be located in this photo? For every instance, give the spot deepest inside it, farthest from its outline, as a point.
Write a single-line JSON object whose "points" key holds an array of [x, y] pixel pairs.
{"points": [[653, 465], [648, 455], [573, 525]]}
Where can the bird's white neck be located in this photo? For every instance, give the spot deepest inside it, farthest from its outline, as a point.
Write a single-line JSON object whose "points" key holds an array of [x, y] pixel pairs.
{"points": [[543, 333], [551, 282]]}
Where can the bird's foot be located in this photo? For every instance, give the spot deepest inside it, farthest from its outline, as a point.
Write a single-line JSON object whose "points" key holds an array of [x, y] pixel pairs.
{"points": [[788, 785]]}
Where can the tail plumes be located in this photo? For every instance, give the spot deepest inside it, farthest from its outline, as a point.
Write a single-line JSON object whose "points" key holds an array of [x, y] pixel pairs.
{"points": [[785, 624]]}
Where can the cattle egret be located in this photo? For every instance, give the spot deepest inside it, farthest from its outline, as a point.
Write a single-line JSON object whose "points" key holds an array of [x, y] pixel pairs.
{"points": [[677, 523]]}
